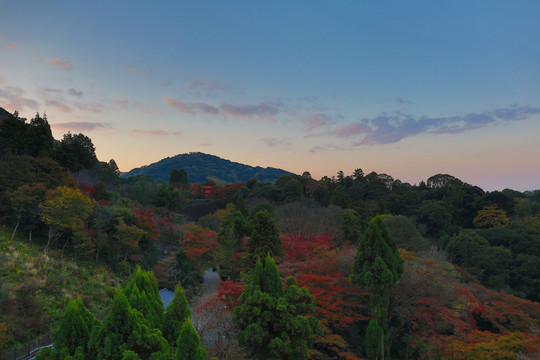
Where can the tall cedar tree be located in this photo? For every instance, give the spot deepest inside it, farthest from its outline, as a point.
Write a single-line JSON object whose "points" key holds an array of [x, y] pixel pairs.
{"points": [[271, 319], [176, 314], [377, 266], [143, 294], [123, 329], [75, 328], [264, 238], [188, 344]]}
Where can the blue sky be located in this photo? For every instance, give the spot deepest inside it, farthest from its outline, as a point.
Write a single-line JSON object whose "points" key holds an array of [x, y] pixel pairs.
{"points": [[406, 88]]}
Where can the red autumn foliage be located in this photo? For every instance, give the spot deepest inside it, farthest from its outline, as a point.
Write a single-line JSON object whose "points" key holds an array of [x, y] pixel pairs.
{"points": [[199, 244], [144, 218]]}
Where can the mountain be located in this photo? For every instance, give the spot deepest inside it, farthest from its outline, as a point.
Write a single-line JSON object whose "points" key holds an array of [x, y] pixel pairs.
{"points": [[202, 167]]}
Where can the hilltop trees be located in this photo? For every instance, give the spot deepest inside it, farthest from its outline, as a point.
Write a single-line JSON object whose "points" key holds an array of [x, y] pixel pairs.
{"points": [[76, 152]]}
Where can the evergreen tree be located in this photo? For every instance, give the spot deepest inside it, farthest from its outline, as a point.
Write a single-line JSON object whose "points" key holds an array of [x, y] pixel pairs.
{"points": [[124, 329], [176, 314], [374, 336], [378, 267], [188, 344], [265, 237], [143, 294], [41, 141], [272, 320], [75, 328], [76, 152]]}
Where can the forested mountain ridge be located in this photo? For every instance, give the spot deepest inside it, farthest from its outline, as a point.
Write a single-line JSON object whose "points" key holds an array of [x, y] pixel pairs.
{"points": [[201, 167]]}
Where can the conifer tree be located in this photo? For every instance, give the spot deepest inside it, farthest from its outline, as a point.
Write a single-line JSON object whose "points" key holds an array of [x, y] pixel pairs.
{"points": [[124, 329], [75, 328], [188, 344], [143, 294], [176, 314], [265, 237], [378, 267], [374, 336], [272, 320]]}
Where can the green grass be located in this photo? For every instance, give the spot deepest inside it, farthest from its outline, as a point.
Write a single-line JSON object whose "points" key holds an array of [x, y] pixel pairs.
{"points": [[35, 287]]}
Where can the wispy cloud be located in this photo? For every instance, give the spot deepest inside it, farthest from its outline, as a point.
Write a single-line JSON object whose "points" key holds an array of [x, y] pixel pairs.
{"points": [[138, 70], [313, 122], [76, 93], [274, 142], [93, 108], [179, 105], [202, 84], [206, 108], [402, 101], [326, 147], [387, 129], [59, 64], [12, 98], [157, 132], [58, 105], [80, 126], [262, 110], [13, 47]]}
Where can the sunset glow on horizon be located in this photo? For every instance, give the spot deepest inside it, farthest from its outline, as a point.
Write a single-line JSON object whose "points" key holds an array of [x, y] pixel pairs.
{"points": [[410, 89]]}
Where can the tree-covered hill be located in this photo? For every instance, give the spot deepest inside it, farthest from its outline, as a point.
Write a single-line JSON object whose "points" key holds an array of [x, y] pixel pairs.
{"points": [[202, 167]]}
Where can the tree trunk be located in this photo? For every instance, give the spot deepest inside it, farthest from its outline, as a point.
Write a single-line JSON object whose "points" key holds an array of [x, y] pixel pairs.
{"points": [[49, 241], [14, 231]]}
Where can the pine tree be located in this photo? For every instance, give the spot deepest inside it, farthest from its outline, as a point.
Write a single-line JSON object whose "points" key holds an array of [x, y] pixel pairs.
{"points": [[176, 314], [188, 344]]}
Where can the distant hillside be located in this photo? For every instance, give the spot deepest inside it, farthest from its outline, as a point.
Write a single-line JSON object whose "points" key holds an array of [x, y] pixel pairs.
{"points": [[201, 167]]}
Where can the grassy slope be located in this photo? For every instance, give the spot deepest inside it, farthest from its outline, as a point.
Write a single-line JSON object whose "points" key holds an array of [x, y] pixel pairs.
{"points": [[34, 288]]}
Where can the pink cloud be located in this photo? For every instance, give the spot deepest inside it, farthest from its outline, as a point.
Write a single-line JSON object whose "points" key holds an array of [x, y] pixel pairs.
{"points": [[60, 64], [58, 105], [13, 99], [273, 142], [93, 108], [179, 105], [80, 126], [156, 132], [314, 121], [207, 108], [351, 130], [202, 84], [248, 111], [13, 47], [138, 70]]}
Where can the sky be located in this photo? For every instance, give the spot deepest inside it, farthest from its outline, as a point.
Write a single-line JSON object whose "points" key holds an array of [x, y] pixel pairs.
{"points": [[406, 88]]}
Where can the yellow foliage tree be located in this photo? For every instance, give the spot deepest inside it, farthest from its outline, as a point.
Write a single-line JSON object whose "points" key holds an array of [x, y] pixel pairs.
{"points": [[491, 216], [64, 208]]}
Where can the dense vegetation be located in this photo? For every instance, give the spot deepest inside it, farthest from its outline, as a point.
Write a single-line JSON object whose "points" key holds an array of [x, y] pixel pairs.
{"points": [[347, 267]]}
